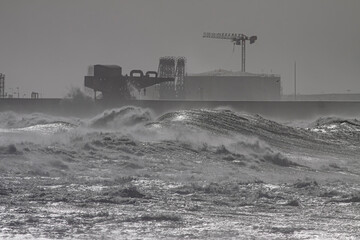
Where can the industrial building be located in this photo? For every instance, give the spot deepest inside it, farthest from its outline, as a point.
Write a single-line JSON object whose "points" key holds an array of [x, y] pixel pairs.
{"points": [[171, 82], [223, 85], [219, 85], [113, 85]]}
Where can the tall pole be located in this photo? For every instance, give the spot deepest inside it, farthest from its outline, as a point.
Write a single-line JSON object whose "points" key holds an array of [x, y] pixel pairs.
{"points": [[295, 80], [243, 55]]}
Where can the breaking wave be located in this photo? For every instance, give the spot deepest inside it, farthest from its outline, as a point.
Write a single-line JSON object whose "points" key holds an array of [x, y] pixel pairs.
{"points": [[134, 138], [335, 124], [123, 117], [15, 120]]}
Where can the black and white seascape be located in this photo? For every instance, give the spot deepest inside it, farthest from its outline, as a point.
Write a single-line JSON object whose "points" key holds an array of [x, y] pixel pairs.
{"points": [[179, 119], [194, 174]]}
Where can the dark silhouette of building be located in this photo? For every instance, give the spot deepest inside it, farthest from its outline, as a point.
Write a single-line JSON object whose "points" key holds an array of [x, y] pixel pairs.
{"points": [[113, 85]]}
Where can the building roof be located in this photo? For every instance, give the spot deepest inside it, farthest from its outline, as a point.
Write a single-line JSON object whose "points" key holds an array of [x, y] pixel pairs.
{"points": [[227, 73], [109, 66], [222, 72]]}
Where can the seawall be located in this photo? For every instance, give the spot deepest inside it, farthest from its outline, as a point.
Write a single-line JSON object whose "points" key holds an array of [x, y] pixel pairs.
{"points": [[271, 109]]}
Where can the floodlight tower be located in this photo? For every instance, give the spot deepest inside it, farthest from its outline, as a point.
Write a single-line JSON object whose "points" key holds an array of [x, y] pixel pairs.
{"points": [[237, 39]]}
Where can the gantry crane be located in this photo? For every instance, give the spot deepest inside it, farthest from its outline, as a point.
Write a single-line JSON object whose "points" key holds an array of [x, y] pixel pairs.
{"points": [[237, 39]]}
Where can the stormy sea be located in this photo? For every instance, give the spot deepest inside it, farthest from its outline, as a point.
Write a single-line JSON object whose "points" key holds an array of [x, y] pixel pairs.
{"points": [[195, 174]]}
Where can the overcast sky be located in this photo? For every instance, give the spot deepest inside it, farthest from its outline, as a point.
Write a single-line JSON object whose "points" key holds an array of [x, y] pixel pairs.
{"points": [[46, 45]]}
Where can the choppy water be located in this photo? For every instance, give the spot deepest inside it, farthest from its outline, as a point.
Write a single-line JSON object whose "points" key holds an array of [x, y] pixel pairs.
{"points": [[200, 173]]}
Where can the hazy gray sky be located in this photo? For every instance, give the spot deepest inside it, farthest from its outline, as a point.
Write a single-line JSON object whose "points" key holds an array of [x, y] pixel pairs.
{"points": [[46, 45]]}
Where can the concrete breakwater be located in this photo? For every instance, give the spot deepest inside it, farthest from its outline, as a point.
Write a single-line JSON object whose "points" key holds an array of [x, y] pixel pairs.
{"points": [[271, 109]]}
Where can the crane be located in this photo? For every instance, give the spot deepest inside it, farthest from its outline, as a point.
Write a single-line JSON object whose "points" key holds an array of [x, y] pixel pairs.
{"points": [[237, 39]]}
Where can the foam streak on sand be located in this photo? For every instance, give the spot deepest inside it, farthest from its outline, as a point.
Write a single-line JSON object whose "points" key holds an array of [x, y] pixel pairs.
{"points": [[187, 174]]}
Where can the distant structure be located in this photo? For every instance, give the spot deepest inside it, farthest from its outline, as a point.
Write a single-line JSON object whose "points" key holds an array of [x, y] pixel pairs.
{"points": [[180, 77], [222, 85], [323, 97], [237, 39], [2, 85], [171, 82], [173, 67], [108, 80], [34, 95], [167, 69], [217, 85]]}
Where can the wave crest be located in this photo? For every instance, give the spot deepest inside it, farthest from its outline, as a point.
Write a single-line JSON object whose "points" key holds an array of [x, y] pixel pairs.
{"points": [[123, 117]]}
